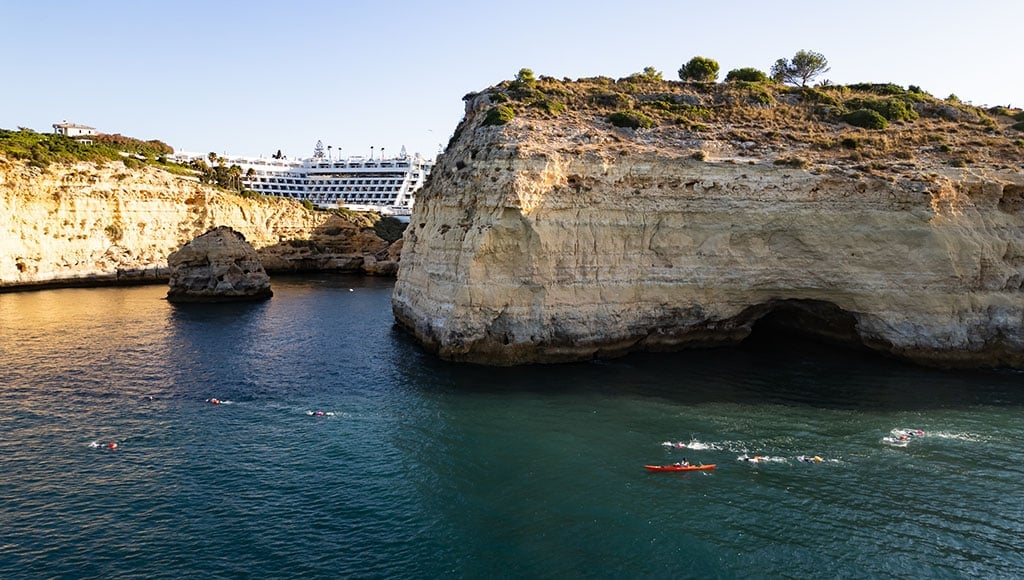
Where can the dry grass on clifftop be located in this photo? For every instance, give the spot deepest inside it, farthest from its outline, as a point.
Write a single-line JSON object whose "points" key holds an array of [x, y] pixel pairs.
{"points": [[759, 122]]}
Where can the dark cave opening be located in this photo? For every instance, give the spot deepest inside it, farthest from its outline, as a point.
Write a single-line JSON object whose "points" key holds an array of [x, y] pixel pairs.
{"points": [[806, 321]]}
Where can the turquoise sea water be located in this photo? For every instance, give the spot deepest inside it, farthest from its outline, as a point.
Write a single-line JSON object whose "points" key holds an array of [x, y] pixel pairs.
{"points": [[428, 469]]}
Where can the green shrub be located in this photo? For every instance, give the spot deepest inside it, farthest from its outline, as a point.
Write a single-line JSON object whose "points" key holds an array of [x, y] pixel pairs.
{"points": [[649, 75], [1018, 125], [761, 96], [748, 74], [151, 148], [308, 205], [866, 118], [699, 68], [612, 100], [549, 106], [812, 95], [850, 143], [250, 194], [880, 88], [633, 119], [524, 85], [893, 109], [499, 115], [390, 229]]}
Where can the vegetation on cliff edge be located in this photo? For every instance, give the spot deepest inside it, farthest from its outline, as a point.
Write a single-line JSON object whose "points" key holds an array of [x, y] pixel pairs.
{"points": [[870, 127], [42, 149]]}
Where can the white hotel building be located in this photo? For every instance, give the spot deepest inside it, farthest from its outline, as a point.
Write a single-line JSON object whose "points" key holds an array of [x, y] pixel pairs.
{"points": [[367, 184]]}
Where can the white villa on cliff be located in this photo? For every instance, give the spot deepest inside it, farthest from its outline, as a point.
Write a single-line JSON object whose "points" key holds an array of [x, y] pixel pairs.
{"points": [[77, 132]]}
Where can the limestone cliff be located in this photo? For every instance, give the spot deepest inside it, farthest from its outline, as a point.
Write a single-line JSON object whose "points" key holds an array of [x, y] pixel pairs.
{"points": [[87, 223], [560, 237]]}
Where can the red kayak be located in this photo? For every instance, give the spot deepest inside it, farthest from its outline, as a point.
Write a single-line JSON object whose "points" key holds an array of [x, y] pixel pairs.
{"points": [[708, 467]]}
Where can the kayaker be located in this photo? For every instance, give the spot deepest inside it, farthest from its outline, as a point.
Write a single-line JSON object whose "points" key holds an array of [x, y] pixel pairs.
{"points": [[684, 463]]}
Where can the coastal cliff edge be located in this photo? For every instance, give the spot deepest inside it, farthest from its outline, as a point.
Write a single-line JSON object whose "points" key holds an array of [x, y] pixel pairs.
{"points": [[86, 224], [549, 234]]}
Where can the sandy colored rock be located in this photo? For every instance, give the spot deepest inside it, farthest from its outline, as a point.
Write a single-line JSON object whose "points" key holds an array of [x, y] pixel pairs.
{"points": [[90, 224], [550, 240], [218, 266]]}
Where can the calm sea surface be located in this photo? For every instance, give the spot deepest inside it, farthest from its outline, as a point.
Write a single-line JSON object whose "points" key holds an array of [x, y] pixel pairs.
{"points": [[427, 469]]}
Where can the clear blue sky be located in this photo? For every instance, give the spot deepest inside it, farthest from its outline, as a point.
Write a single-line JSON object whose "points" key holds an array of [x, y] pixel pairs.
{"points": [[249, 78]]}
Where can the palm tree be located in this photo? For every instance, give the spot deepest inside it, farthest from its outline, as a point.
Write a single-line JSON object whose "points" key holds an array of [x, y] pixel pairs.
{"points": [[235, 173]]}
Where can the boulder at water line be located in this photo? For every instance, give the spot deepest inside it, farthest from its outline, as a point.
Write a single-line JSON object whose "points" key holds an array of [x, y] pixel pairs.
{"points": [[218, 266]]}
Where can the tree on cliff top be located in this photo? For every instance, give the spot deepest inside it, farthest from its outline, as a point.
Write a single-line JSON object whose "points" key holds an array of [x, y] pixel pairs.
{"points": [[524, 85], [649, 74], [700, 68], [805, 66]]}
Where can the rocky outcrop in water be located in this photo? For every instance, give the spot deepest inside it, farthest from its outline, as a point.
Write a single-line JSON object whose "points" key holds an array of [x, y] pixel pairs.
{"points": [[218, 266], [560, 238], [88, 224]]}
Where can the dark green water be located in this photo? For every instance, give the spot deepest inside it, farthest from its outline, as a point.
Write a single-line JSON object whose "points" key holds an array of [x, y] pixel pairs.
{"points": [[428, 469]]}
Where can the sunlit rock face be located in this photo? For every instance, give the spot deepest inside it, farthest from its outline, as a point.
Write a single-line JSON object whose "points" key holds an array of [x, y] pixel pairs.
{"points": [[85, 224], [218, 266], [564, 239]]}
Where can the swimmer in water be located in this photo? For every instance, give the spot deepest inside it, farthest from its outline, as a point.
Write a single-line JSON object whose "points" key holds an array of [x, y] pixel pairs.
{"points": [[213, 401]]}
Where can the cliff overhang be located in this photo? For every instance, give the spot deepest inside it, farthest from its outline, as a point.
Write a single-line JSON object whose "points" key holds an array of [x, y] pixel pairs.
{"points": [[557, 238]]}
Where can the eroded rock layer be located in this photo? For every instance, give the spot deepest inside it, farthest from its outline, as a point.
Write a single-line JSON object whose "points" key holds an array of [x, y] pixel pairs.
{"points": [[552, 240], [218, 266], [89, 224]]}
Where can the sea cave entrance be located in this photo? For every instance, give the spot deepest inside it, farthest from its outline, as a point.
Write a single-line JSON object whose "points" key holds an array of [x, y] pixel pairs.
{"points": [[782, 322]]}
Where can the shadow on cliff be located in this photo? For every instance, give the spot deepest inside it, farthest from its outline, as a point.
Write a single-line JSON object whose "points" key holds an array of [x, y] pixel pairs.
{"points": [[338, 245]]}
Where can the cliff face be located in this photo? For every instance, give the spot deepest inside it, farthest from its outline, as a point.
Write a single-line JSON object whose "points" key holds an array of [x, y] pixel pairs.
{"points": [[564, 238], [92, 224]]}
